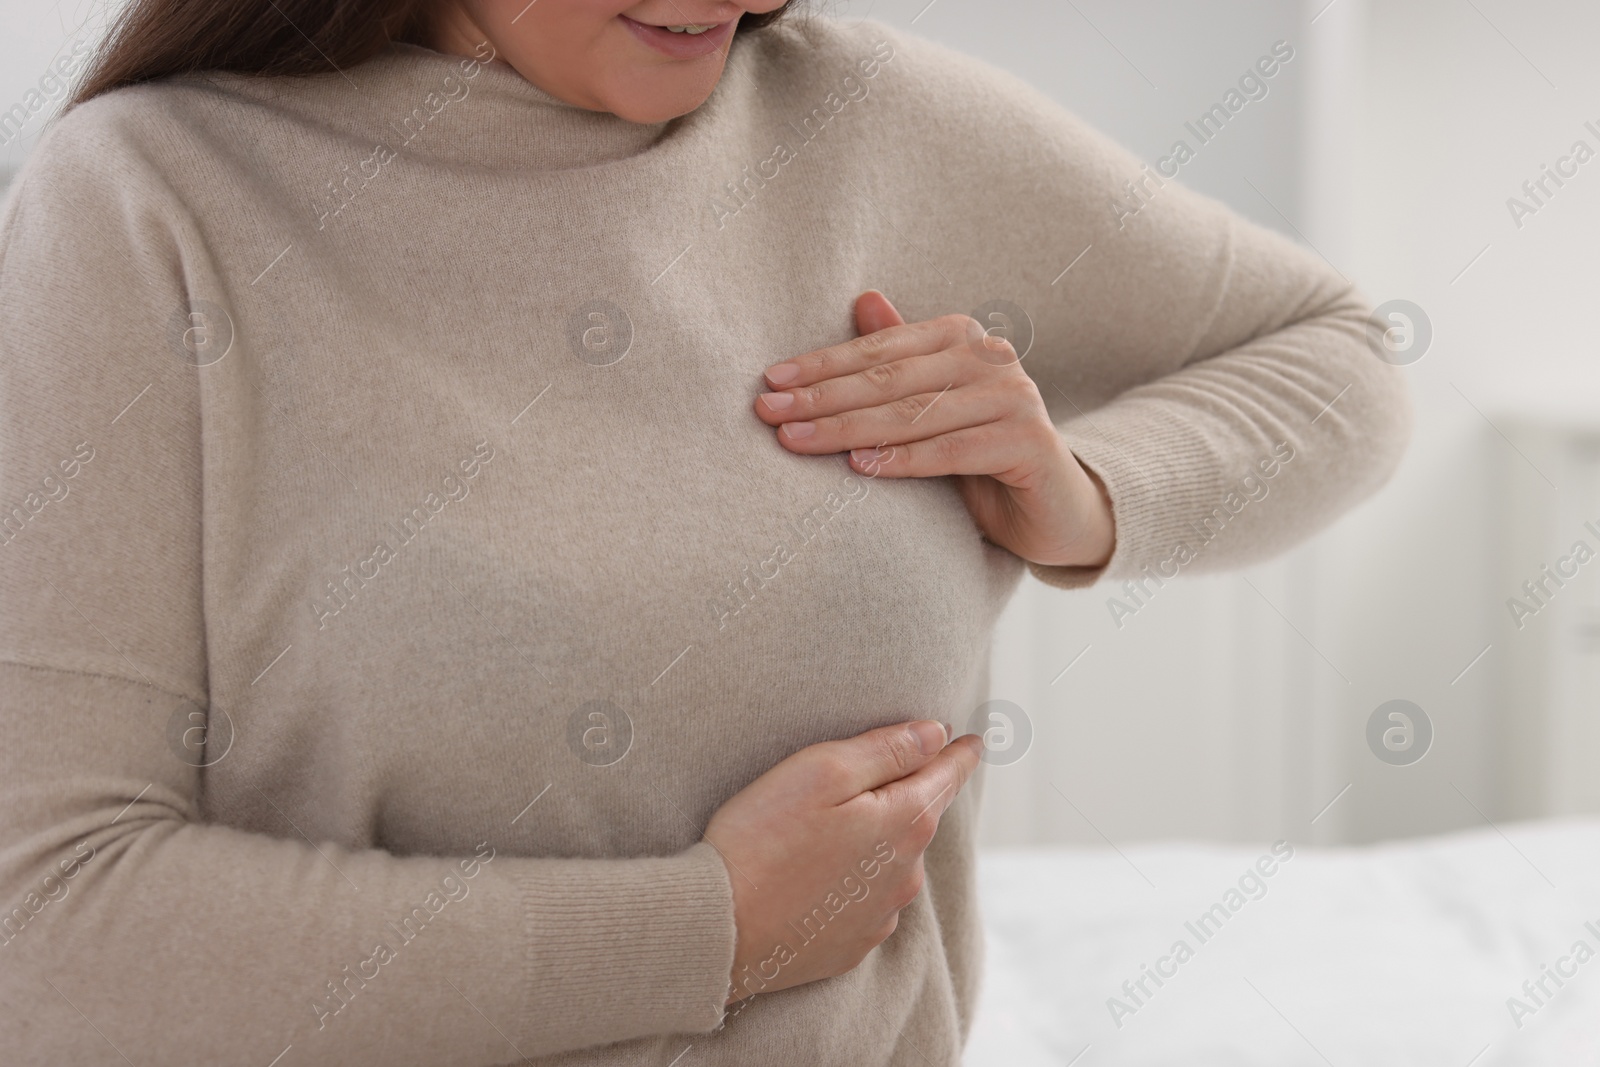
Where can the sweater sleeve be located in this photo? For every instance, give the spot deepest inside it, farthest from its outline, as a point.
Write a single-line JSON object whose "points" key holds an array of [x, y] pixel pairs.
{"points": [[133, 929], [1216, 376]]}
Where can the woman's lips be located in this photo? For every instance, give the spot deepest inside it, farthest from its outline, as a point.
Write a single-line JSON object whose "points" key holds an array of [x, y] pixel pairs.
{"points": [[681, 45]]}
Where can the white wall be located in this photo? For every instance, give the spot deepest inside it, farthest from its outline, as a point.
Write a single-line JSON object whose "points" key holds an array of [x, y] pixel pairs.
{"points": [[32, 36], [1460, 114]]}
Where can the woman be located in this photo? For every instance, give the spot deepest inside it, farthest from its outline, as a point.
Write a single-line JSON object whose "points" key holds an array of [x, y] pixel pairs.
{"points": [[488, 483]]}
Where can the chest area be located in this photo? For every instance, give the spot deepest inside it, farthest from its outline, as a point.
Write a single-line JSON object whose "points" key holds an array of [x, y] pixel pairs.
{"points": [[546, 540]]}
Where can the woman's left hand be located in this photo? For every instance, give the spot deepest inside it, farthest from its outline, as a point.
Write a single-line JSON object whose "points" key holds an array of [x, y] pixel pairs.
{"points": [[943, 397]]}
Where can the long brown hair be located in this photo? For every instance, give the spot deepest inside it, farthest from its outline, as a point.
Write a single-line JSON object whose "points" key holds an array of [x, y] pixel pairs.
{"points": [[155, 38]]}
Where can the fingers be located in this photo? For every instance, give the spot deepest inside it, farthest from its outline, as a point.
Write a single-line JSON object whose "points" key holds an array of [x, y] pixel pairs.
{"points": [[882, 346], [874, 313], [878, 384], [910, 418], [854, 765], [1007, 449], [914, 418], [920, 798], [861, 396]]}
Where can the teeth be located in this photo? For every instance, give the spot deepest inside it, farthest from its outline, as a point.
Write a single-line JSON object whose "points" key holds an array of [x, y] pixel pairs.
{"points": [[691, 29]]}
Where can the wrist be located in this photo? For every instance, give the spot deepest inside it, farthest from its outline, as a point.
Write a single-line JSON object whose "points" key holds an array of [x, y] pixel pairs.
{"points": [[1092, 541], [1099, 541]]}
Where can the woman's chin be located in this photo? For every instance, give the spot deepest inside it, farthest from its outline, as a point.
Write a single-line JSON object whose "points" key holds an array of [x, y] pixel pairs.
{"points": [[658, 99]]}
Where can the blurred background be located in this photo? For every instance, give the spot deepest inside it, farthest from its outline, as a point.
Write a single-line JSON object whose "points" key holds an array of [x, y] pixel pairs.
{"points": [[1235, 707]]}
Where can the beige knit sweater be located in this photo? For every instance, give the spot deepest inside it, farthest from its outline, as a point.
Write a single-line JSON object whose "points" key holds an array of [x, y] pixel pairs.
{"points": [[390, 578]]}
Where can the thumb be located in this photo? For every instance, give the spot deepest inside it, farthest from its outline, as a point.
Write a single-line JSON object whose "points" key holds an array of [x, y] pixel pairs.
{"points": [[876, 758], [874, 313]]}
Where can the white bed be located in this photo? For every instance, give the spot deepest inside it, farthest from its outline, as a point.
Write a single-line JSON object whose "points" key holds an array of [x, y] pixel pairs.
{"points": [[1402, 953]]}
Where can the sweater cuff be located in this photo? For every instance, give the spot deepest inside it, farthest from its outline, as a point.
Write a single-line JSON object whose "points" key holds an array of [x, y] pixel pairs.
{"points": [[646, 942], [1159, 474]]}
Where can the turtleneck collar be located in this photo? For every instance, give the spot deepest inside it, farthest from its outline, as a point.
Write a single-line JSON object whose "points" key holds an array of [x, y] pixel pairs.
{"points": [[460, 109], [452, 109]]}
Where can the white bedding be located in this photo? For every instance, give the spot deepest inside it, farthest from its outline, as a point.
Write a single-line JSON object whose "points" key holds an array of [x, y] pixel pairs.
{"points": [[1403, 953]]}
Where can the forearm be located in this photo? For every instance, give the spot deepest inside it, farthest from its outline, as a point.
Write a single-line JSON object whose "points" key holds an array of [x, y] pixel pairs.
{"points": [[259, 942], [1241, 454]]}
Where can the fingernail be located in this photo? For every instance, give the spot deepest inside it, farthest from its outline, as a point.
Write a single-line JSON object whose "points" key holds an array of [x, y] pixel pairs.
{"points": [[778, 401], [799, 429], [783, 373], [929, 736], [949, 732], [866, 455]]}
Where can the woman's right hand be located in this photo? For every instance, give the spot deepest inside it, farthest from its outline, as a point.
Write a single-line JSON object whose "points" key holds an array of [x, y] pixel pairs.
{"points": [[840, 821]]}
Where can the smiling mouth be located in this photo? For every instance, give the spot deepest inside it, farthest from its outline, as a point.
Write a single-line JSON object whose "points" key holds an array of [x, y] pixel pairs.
{"points": [[684, 40]]}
